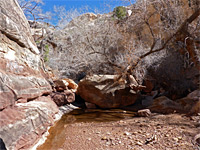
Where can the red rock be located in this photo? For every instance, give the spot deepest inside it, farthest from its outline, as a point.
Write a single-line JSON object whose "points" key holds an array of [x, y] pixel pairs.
{"points": [[90, 105], [165, 105], [70, 96], [100, 90], [59, 98], [21, 126], [191, 103], [72, 85]]}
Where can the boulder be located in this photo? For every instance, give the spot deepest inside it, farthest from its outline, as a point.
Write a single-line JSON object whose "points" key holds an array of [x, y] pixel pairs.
{"points": [[60, 85], [195, 95], [105, 92], [191, 103], [64, 91], [59, 98], [63, 98], [63, 84], [165, 105], [70, 96], [71, 84]]}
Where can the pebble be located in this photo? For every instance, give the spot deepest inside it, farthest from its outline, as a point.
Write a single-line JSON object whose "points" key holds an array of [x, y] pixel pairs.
{"points": [[180, 138], [89, 139], [127, 133], [139, 143], [135, 133], [166, 135], [121, 121], [104, 138], [98, 132], [175, 139], [108, 133], [139, 131], [108, 143]]}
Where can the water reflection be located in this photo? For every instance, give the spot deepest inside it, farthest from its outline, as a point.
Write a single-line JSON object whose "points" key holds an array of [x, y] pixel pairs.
{"points": [[57, 134], [98, 115]]}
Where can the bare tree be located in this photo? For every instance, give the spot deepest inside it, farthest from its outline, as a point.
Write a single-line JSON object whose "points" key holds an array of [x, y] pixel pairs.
{"points": [[32, 9], [155, 26], [101, 44]]}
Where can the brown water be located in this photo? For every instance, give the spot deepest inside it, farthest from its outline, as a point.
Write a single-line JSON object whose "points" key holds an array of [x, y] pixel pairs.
{"points": [[57, 135]]}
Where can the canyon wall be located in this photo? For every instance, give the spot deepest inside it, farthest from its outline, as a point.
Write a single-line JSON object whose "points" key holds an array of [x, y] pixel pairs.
{"points": [[25, 109]]}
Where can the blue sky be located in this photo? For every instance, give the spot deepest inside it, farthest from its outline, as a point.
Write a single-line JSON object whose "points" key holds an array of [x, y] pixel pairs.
{"points": [[93, 4], [103, 6]]}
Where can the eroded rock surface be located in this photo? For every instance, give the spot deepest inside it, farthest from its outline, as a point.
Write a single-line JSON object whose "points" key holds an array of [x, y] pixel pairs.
{"points": [[23, 124], [21, 80], [20, 73]]}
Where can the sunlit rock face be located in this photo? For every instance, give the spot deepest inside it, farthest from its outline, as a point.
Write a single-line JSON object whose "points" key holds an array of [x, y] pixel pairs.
{"points": [[98, 90], [24, 114], [20, 71]]}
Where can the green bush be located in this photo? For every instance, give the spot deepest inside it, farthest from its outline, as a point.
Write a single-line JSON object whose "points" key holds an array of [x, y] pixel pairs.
{"points": [[120, 12], [46, 53]]}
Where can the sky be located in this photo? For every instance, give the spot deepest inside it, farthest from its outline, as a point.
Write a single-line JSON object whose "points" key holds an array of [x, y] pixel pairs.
{"points": [[103, 6], [93, 4]]}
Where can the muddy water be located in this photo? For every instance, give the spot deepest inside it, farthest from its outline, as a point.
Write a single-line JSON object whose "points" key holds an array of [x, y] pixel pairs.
{"points": [[57, 134]]}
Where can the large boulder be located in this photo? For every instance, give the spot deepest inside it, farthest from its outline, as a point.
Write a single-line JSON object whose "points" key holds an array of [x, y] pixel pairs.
{"points": [[105, 92], [189, 105], [165, 105]]}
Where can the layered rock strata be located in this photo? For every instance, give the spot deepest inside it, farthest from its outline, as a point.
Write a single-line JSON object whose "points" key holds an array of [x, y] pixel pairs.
{"points": [[25, 111]]}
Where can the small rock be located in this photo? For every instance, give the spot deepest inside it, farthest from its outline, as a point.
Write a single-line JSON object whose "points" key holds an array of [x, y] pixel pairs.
{"points": [[104, 138], [139, 131], [89, 139], [139, 143], [108, 143], [108, 133], [144, 113], [113, 143], [121, 121], [180, 138], [166, 135], [134, 133], [151, 139], [127, 133], [175, 139]]}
